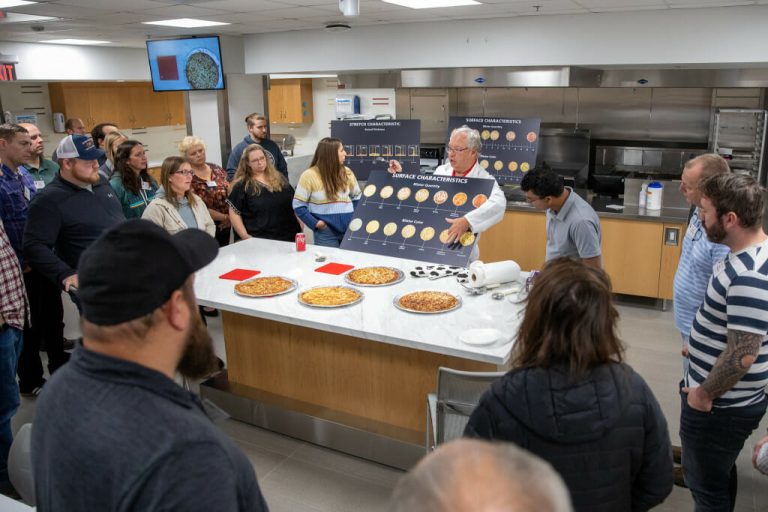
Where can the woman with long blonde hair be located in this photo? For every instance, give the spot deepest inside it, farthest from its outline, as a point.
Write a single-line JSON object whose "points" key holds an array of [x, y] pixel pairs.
{"points": [[327, 193], [260, 199]]}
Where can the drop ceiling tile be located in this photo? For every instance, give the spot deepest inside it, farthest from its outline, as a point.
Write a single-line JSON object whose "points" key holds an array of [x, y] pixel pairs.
{"points": [[615, 4], [114, 5], [182, 11], [299, 12], [60, 11], [244, 5]]}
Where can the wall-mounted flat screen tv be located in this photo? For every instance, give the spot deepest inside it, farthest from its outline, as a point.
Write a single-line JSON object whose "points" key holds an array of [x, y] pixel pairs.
{"points": [[186, 64]]}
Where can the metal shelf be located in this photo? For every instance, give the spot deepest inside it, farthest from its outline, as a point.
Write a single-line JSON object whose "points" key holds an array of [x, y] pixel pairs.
{"points": [[740, 133]]}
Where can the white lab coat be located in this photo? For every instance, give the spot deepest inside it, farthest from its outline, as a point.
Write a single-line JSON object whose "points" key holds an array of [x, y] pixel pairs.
{"points": [[490, 212]]}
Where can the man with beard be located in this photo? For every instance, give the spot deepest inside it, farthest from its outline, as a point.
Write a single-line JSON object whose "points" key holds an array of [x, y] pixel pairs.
{"points": [[119, 433], [723, 393], [257, 134], [70, 213]]}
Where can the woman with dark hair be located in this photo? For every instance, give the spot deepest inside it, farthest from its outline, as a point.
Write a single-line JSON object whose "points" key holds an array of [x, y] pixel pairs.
{"points": [[260, 199], [327, 194], [133, 185], [175, 206], [571, 400]]}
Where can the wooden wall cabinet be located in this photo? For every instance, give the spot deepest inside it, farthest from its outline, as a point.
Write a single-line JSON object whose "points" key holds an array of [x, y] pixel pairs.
{"points": [[129, 104], [290, 101], [635, 254]]}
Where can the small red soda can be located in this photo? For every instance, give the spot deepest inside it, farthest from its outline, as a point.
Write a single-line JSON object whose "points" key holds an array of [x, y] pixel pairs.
{"points": [[301, 242]]}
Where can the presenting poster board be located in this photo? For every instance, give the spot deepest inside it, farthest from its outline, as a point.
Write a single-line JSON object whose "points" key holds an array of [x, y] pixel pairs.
{"points": [[404, 216], [509, 145], [370, 145]]}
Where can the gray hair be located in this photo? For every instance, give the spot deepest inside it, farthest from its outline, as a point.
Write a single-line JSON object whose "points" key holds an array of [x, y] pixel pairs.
{"points": [[473, 137], [469, 474]]}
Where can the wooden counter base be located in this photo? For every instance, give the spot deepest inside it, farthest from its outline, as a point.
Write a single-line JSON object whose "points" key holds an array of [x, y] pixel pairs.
{"points": [[379, 387]]}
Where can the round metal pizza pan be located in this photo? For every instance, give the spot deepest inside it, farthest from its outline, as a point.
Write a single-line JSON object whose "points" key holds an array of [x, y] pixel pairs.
{"points": [[356, 301], [293, 286], [400, 277], [396, 302]]}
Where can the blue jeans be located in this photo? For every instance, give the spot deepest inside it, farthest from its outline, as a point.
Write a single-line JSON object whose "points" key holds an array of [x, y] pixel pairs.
{"points": [[711, 443], [10, 349], [327, 237]]}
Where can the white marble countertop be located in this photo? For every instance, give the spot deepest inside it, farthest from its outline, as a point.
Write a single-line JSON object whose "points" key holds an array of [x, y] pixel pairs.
{"points": [[375, 318]]}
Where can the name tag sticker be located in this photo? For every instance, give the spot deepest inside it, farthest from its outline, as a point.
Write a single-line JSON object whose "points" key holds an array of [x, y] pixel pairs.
{"points": [[145, 186], [27, 194], [39, 184], [211, 184]]}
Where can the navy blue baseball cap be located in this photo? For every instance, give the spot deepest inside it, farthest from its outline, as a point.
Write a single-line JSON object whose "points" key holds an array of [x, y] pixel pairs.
{"points": [[78, 146], [133, 269]]}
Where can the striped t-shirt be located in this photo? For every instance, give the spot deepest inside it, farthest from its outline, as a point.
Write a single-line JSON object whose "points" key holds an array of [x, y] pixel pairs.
{"points": [[736, 300], [312, 205]]}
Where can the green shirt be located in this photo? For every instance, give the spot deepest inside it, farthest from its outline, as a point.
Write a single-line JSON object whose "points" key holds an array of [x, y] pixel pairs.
{"points": [[45, 173]]}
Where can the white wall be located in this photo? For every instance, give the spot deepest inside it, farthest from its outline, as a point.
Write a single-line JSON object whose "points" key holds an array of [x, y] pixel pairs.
{"points": [[246, 95], [204, 114], [324, 92], [674, 36], [62, 62]]}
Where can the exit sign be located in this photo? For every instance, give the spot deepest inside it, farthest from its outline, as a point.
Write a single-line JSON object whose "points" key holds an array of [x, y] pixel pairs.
{"points": [[8, 72]]}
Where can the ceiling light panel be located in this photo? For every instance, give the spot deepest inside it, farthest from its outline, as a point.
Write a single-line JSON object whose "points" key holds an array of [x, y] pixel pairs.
{"points": [[5, 4], [185, 23], [431, 4]]}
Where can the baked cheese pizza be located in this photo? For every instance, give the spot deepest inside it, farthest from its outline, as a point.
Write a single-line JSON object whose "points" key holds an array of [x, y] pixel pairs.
{"points": [[329, 296], [373, 276], [428, 301], [264, 286]]}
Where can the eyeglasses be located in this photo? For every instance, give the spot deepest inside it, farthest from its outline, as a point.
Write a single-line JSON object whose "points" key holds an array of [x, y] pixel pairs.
{"points": [[456, 150], [184, 173]]}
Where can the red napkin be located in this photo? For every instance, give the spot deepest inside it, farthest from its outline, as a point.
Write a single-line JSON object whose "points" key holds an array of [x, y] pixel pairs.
{"points": [[239, 274], [334, 268]]}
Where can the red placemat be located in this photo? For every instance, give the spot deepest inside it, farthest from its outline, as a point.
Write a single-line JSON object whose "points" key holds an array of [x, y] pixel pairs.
{"points": [[334, 268], [239, 274]]}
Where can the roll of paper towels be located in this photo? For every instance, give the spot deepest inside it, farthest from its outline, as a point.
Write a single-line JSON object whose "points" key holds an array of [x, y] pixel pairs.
{"points": [[484, 274]]}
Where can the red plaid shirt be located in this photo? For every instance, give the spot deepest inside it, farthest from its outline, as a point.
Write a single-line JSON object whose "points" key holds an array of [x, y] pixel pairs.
{"points": [[14, 307]]}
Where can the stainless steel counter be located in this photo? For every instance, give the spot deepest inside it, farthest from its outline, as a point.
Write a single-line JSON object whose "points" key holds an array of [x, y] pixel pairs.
{"points": [[606, 208]]}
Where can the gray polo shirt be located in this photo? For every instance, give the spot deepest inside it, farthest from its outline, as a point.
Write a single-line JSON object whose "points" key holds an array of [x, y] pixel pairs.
{"points": [[574, 231]]}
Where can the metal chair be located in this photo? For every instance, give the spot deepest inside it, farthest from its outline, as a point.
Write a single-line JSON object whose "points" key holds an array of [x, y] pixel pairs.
{"points": [[20, 464], [449, 409]]}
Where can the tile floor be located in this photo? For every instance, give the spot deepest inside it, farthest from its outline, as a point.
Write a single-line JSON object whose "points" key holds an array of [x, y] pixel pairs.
{"points": [[300, 477]]}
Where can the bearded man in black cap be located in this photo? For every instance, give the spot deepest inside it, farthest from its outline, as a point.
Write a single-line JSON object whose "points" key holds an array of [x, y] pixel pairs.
{"points": [[118, 432]]}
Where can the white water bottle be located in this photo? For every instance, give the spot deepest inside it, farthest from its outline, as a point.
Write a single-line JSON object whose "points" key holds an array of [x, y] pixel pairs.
{"points": [[642, 201]]}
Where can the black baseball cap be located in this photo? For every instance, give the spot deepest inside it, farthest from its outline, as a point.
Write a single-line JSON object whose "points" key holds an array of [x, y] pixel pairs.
{"points": [[133, 269]]}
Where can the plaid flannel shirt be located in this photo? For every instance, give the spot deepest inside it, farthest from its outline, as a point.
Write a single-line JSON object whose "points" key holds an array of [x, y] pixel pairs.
{"points": [[14, 307]]}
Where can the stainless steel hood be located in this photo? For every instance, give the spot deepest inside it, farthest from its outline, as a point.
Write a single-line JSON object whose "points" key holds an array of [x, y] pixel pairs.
{"points": [[557, 76], [561, 76]]}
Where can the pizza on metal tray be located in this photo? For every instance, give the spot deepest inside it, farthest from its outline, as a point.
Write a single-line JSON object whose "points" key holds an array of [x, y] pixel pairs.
{"points": [[428, 301], [373, 275], [329, 296], [264, 286]]}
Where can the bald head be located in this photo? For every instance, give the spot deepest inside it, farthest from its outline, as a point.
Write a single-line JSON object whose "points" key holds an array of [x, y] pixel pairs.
{"points": [[36, 148], [471, 475]]}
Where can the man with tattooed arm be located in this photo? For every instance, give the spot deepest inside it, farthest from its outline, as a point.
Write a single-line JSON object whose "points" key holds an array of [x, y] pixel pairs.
{"points": [[723, 393]]}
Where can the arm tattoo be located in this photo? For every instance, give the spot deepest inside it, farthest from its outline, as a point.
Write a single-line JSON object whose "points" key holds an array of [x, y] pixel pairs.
{"points": [[734, 362]]}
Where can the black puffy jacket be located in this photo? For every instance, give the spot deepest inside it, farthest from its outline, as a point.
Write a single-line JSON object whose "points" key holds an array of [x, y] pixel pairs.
{"points": [[604, 433]]}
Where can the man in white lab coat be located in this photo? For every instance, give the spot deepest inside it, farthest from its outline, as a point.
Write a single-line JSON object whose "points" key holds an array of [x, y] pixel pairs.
{"points": [[463, 148]]}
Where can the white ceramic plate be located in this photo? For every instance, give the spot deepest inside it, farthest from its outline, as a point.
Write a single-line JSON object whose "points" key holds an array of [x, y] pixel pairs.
{"points": [[480, 337]]}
